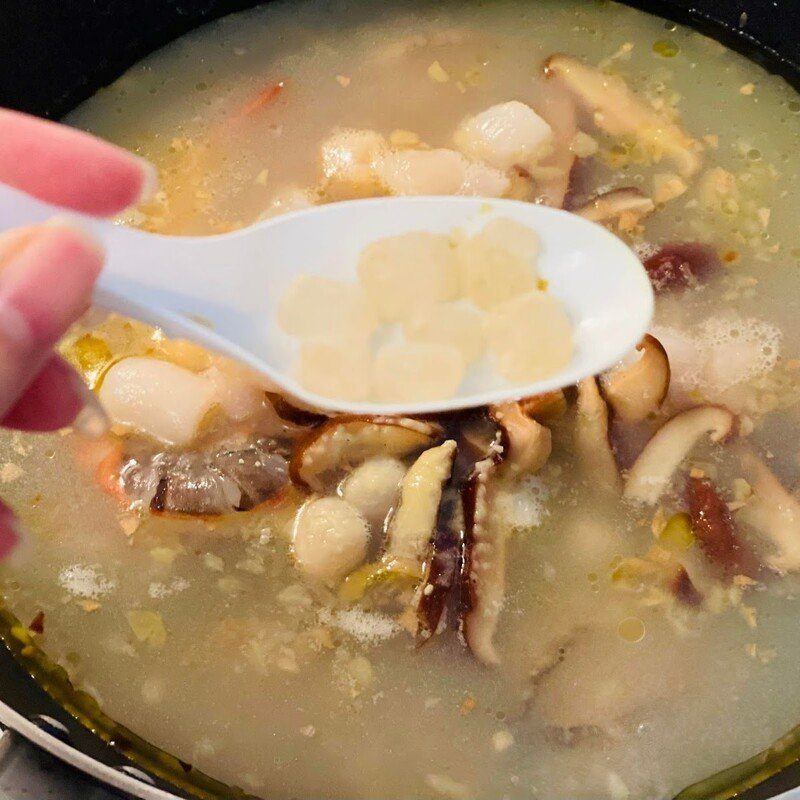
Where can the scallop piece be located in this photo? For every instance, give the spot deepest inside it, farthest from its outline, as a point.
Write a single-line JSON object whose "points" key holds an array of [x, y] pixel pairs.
{"points": [[408, 273], [336, 368], [439, 171], [498, 263], [157, 398], [238, 397], [451, 324], [350, 155], [324, 307], [330, 538], [373, 488], [530, 337], [504, 135], [409, 372]]}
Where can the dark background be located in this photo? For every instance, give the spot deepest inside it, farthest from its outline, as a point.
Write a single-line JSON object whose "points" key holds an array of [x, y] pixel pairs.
{"points": [[55, 53]]}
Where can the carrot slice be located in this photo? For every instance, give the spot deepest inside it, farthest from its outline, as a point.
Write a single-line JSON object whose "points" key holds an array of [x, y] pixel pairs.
{"points": [[261, 100]]}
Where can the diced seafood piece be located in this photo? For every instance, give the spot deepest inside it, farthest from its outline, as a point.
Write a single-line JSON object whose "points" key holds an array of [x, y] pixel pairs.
{"points": [[504, 135], [330, 538], [439, 172], [340, 369], [314, 306], [374, 487], [451, 324], [403, 275], [529, 337], [157, 398], [415, 371]]}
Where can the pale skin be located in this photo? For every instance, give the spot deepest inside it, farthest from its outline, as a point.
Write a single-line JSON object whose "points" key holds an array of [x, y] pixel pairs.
{"points": [[48, 271]]}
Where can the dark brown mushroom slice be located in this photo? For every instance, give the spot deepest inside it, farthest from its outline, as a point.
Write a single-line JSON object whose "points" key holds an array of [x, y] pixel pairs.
{"points": [[204, 483], [715, 530], [636, 389], [546, 407], [652, 471], [772, 511], [345, 441], [527, 442], [681, 265], [616, 205], [293, 414]]}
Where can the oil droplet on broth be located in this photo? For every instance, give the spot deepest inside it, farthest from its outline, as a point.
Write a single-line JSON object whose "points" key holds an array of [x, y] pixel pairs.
{"points": [[631, 629]]}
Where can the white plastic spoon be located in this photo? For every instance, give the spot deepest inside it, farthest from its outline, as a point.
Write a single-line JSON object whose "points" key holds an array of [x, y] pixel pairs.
{"points": [[235, 281]]}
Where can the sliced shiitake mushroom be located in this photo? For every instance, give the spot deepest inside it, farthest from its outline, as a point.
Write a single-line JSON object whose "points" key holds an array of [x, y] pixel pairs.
{"points": [[653, 469], [637, 388], [484, 560], [226, 479], [619, 111], [545, 407], [772, 511], [592, 438], [627, 205], [346, 441], [528, 443]]}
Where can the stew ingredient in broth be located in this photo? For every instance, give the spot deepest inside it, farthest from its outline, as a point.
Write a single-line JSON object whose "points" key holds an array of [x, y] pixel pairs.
{"points": [[588, 594]]}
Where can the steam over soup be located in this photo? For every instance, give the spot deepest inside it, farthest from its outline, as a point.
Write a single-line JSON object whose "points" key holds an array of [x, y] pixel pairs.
{"points": [[589, 594]]}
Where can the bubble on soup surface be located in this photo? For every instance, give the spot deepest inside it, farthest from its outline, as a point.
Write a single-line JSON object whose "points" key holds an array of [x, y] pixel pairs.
{"points": [[335, 368], [317, 306], [408, 273], [505, 135], [452, 324], [529, 337], [330, 538], [498, 263], [155, 397], [416, 371], [373, 488]]}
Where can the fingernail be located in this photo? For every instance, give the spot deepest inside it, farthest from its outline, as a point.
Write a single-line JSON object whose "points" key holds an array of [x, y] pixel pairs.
{"points": [[48, 284], [67, 223], [92, 420], [11, 536], [149, 180]]}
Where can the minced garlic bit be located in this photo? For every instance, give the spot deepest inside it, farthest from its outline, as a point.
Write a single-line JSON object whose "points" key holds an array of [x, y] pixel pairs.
{"points": [[747, 89], [667, 186], [502, 741], [583, 145], [262, 177], [437, 73], [343, 81], [148, 627], [445, 786], [750, 615], [213, 562]]}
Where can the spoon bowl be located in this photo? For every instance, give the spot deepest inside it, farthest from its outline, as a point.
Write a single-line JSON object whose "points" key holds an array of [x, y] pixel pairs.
{"points": [[223, 291]]}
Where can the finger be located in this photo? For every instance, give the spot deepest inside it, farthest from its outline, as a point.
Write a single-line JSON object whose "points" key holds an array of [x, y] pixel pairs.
{"points": [[57, 397], [70, 168], [44, 287], [10, 534]]}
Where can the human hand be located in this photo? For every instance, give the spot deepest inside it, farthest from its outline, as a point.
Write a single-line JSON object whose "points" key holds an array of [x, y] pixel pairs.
{"points": [[48, 271]]}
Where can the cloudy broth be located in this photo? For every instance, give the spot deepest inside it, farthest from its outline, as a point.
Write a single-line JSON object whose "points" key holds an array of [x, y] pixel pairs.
{"points": [[200, 632]]}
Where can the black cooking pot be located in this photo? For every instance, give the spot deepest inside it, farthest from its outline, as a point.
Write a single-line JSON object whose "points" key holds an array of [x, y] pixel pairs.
{"points": [[56, 53]]}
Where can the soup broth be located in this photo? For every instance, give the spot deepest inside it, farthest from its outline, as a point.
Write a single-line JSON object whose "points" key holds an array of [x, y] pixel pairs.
{"points": [[262, 599]]}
